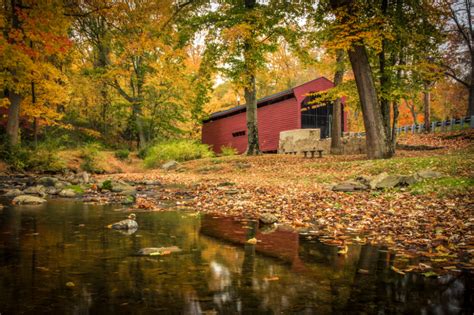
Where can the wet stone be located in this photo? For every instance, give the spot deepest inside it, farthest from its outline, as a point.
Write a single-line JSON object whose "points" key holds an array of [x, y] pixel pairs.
{"points": [[27, 200], [67, 193]]}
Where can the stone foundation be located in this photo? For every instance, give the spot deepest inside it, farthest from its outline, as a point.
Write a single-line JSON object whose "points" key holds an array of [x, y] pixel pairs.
{"points": [[300, 140]]}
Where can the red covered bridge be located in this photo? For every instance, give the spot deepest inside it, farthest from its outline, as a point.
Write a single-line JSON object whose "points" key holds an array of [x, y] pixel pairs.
{"points": [[285, 110]]}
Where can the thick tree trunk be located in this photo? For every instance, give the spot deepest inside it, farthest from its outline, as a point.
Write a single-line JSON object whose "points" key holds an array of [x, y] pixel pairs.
{"points": [[137, 112], [13, 122], [376, 138], [336, 127], [427, 107], [250, 89], [250, 93]]}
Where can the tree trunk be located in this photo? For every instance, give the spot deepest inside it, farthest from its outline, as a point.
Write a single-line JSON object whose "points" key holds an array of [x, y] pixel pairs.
{"points": [[384, 79], [470, 112], [376, 138], [426, 107], [336, 128], [13, 122], [252, 127], [250, 89]]}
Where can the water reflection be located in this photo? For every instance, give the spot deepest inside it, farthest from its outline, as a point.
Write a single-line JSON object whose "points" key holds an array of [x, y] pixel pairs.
{"points": [[43, 248]]}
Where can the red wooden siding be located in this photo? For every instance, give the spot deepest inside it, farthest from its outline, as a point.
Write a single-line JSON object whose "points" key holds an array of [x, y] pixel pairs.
{"points": [[272, 119]]}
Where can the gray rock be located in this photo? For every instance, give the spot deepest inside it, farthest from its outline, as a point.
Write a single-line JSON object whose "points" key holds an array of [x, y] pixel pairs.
{"points": [[35, 190], [170, 165], [27, 200], [52, 191], [268, 218], [407, 180], [61, 185], [150, 182], [231, 192], [389, 181], [428, 174], [13, 193], [129, 192], [84, 177], [120, 186], [242, 165], [349, 186], [48, 181], [364, 179], [67, 193]]}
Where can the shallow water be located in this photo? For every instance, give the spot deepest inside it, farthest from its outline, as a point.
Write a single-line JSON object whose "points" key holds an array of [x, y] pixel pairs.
{"points": [[59, 258]]}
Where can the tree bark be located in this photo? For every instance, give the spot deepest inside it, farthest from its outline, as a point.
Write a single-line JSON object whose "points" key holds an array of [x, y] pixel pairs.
{"points": [[376, 138], [426, 107], [13, 122], [336, 127], [250, 93]]}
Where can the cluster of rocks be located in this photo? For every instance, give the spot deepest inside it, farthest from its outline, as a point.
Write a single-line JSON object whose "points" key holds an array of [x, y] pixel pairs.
{"points": [[384, 180], [35, 190]]}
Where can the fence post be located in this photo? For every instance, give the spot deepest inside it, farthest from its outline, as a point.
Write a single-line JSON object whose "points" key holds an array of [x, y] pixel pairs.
{"points": [[462, 123], [433, 127], [471, 124], [453, 122]]}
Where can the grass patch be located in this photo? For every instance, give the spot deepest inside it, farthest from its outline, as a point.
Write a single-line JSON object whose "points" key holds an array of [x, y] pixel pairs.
{"points": [[228, 151], [452, 164], [182, 150], [122, 154], [76, 188], [443, 186]]}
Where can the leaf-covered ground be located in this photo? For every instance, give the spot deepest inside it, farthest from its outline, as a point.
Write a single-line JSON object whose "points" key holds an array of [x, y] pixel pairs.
{"points": [[432, 219]]}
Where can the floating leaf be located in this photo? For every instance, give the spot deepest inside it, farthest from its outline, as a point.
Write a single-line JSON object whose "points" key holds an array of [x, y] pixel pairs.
{"points": [[397, 270], [252, 241]]}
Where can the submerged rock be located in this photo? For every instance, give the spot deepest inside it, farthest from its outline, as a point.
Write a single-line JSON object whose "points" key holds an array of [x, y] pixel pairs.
{"points": [[151, 251], [27, 200]]}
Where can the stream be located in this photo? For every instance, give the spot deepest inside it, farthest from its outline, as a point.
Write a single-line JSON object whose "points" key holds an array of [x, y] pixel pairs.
{"points": [[59, 258]]}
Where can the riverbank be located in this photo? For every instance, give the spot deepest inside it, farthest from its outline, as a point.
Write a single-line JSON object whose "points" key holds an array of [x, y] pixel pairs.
{"points": [[431, 218]]}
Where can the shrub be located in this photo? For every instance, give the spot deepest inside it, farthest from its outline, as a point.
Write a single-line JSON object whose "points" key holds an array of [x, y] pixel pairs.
{"points": [[122, 154], [228, 150], [44, 158], [89, 154], [181, 150], [106, 185]]}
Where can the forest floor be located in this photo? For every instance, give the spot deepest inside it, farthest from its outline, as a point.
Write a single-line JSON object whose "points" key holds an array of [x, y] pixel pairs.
{"points": [[433, 218]]}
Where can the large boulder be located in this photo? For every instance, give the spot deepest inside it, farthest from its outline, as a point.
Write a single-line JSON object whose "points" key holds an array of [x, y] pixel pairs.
{"points": [[67, 193], [52, 191], [27, 200], [407, 180], [39, 190], [383, 180], [170, 165]]}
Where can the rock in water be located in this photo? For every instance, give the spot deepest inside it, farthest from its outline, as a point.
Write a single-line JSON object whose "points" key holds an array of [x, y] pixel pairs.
{"points": [[27, 200], [67, 193], [126, 224], [12, 193], [35, 190], [151, 251]]}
